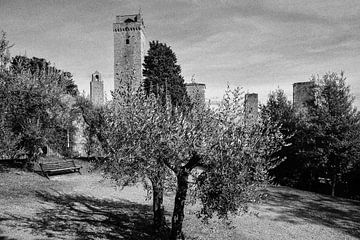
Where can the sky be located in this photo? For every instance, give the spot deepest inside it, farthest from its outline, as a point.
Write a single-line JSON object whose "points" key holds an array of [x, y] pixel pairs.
{"points": [[257, 45]]}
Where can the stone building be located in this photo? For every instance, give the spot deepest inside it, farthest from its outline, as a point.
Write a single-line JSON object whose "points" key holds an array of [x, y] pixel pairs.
{"points": [[130, 47], [96, 89], [77, 142], [251, 105], [196, 93], [302, 93]]}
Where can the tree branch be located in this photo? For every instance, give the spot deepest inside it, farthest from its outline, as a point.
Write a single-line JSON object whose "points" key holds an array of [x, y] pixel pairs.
{"points": [[193, 162]]}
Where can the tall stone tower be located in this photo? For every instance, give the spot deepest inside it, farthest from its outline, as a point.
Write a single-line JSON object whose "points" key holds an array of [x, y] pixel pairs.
{"points": [[302, 93], [96, 89], [129, 50], [251, 104]]}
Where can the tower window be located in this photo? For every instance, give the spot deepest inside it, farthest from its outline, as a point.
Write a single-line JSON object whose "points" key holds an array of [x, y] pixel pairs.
{"points": [[127, 41]]}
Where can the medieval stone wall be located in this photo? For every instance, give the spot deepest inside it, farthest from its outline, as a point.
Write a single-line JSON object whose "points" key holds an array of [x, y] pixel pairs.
{"points": [[302, 93], [196, 93], [251, 106]]}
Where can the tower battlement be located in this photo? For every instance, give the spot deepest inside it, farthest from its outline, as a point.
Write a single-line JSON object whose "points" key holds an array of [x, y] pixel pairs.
{"points": [[133, 22], [129, 18]]}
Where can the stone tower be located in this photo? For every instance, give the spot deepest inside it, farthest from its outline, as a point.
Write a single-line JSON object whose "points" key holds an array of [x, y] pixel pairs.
{"points": [[129, 50], [302, 93], [251, 104], [196, 93], [96, 89]]}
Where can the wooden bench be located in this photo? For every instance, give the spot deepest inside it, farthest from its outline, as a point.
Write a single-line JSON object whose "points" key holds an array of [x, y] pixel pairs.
{"points": [[59, 167]]}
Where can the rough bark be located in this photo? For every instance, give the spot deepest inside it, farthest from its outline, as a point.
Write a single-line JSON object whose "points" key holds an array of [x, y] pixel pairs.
{"points": [[178, 214], [160, 225]]}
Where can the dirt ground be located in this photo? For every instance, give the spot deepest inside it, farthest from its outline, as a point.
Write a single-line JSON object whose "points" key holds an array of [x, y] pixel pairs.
{"points": [[86, 206]]}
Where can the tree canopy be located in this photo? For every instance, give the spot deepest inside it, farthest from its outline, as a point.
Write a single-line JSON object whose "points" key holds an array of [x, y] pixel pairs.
{"points": [[227, 159], [279, 111], [34, 107], [40, 67], [163, 74], [335, 124], [322, 150]]}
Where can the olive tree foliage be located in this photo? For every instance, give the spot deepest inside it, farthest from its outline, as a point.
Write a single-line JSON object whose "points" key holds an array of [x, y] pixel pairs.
{"points": [[130, 131], [93, 117], [237, 159], [164, 148], [8, 140]]}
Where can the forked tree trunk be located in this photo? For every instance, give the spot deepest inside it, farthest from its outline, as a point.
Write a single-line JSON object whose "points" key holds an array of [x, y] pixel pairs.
{"points": [[160, 225], [178, 214]]}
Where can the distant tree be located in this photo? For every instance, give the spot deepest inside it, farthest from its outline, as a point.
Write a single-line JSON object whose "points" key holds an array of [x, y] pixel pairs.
{"points": [[67, 84], [4, 51], [20, 64], [163, 74], [35, 109], [335, 124], [279, 110], [227, 159], [37, 113], [297, 164], [94, 119], [40, 67]]}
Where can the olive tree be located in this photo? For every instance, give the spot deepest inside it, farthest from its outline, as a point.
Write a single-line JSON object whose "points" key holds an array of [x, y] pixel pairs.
{"points": [[226, 157]]}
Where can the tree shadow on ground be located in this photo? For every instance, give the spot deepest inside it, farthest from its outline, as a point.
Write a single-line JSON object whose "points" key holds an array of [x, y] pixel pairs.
{"points": [[67, 216], [294, 206], [2, 235]]}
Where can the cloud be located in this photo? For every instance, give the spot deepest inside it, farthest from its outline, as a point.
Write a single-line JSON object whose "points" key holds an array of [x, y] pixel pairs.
{"points": [[256, 44]]}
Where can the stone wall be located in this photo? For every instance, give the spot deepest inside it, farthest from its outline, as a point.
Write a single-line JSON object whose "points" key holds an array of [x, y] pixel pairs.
{"points": [[302, 93], [196, 93], [77, 143], [251, 106]]}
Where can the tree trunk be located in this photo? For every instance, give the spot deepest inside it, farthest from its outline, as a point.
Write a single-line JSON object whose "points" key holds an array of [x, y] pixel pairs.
{"points": [[310, 188], [178, 214], [160, 225], [333, 184]]}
